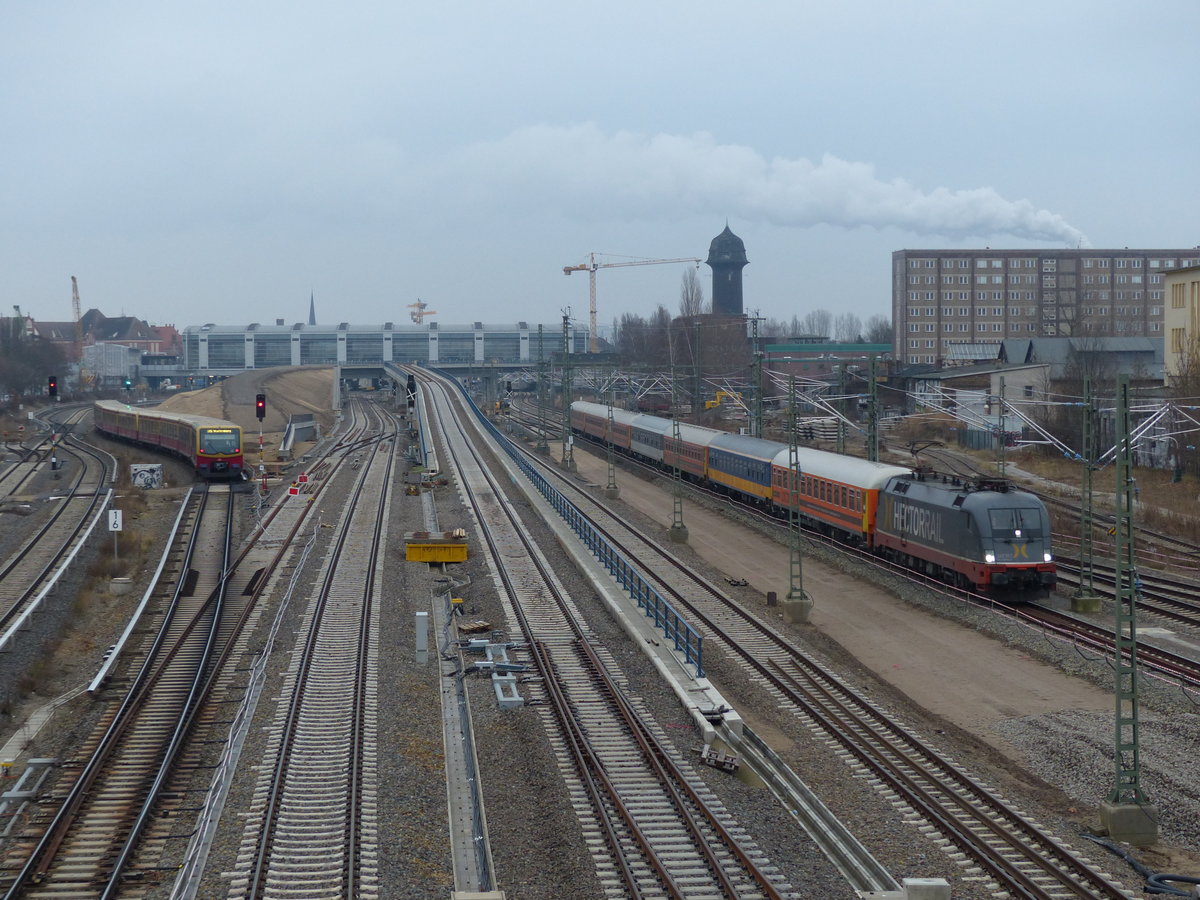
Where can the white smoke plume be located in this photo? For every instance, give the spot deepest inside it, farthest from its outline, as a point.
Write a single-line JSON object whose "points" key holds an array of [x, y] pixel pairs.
{"points": [[579, 168]]}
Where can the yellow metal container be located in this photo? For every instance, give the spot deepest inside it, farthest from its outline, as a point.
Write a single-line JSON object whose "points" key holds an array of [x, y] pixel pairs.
{"points": [[435, 547]]}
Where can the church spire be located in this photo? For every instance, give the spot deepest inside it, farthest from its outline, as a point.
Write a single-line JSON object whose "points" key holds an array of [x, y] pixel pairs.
{"points": [[312, 309]]}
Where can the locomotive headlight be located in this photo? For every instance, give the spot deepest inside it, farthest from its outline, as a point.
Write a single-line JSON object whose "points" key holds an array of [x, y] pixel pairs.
{"points": [[1017, 532], [989, 557], [1048, 557]]}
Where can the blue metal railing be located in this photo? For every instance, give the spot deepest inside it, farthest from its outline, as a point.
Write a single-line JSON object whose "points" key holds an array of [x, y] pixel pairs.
{"points": [[683, 637]]}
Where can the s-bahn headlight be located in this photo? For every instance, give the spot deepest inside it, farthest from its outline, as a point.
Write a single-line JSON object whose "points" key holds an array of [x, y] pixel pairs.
{"points": [[1048, 557], [989, 557]]}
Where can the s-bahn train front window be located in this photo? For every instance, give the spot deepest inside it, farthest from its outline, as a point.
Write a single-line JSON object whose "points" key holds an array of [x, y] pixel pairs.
{"points": [[219, 440]]}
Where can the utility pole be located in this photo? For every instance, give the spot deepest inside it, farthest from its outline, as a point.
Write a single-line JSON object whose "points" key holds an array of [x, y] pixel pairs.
{"points": [[678, 532], [543, 446], [1001, 435], [873, 411], [1126, 813], [611, 490], [568, 456], [697, 393], [841, 422], [1085, 598], [798, 605], [756, 427]]}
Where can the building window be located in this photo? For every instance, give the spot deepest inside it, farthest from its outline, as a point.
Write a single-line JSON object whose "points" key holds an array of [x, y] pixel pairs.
{"points": [[913, 326], [1156, 279], [997, 310], [948, 326], [964, 279], [1122, 263], [930, 326], [1122, 279], [913, 345], [1156, 326], [964, 326], [997, 326], [1156, 310], [929, 345]]}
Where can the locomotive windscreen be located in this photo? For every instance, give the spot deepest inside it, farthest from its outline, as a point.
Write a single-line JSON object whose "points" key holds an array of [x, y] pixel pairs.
{"points": [[1015, 521], [219, 440]]}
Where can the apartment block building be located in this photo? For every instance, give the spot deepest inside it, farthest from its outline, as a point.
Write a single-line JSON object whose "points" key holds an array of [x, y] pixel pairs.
{"points": [[945, 298], [1181, 327]]}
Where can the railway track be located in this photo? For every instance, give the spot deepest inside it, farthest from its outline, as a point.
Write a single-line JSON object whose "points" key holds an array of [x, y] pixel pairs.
{"points": [[1165, 664], [85, 846], [312, 830], [653, 827], [185, 671], [54, 543], [996, 840]]}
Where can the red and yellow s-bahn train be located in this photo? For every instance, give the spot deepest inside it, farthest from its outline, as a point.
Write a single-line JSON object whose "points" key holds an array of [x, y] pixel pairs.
{"points": [[212, 446]]}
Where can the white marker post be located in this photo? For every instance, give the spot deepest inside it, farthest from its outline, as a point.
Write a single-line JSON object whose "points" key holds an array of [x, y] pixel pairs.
{"points": [[114, 525], [422, 637]]}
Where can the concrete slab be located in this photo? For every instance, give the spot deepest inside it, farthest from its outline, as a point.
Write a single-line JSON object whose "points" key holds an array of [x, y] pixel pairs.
{"points": [[1133, 823]]}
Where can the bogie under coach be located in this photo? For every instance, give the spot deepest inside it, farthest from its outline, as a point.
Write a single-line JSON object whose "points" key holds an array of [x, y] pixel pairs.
{"points": [[212, 446]]}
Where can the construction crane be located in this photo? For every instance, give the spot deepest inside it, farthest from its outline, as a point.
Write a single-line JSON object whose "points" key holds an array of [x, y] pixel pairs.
{"points": [[419, 311], [86, 379], [591, 266], [75, 311]]}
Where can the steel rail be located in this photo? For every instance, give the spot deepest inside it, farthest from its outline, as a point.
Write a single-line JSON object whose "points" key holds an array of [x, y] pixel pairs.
{"points": [[669, 774], [259, 870], [749, 658]]}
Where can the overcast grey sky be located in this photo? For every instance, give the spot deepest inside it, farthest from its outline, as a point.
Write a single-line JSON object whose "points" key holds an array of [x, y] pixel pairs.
{"points": [[216, 162]]}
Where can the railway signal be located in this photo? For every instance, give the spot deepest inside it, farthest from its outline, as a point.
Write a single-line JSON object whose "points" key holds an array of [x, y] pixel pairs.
{"points": [[128, 384], [260, 406], [52, 385]]}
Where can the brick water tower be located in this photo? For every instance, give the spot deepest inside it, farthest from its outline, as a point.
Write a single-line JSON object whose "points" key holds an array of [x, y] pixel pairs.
{"points": [[727, 258]]}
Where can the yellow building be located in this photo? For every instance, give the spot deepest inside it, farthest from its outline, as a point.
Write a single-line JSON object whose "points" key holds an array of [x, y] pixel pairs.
{"points": [[1181, 327]]}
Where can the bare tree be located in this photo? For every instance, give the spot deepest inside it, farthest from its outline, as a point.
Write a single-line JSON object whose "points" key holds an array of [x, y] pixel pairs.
{"points": [[691, 295], [847, 328], [818, 322], [878, 330]]}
